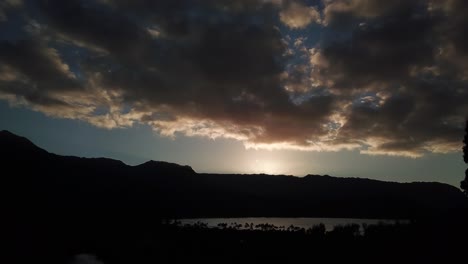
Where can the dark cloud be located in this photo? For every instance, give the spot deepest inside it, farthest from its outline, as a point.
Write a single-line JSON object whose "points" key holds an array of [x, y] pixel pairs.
{"points": [[382, 51], [95, 26], [34, 73], [347, 13], [397, 58], [7, 6], [386, 78], [50, 73]]}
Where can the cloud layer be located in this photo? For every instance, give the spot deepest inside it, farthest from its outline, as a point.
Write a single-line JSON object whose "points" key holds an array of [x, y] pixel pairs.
{"points": [[383, 78]]}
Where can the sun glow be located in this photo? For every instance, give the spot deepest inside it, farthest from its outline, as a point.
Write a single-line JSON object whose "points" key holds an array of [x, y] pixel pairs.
{"points": [[267, 167]]}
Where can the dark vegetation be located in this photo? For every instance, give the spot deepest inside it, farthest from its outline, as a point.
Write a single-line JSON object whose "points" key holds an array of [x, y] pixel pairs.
{"points": [[59, 207], [130, 239]]}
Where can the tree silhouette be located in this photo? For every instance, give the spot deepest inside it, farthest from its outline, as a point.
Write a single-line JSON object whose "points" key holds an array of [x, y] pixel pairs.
{"points": [[464, 183]]}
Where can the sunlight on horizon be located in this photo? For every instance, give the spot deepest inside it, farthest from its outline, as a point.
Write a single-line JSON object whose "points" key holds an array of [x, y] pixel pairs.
{"points": [[267, 166]]}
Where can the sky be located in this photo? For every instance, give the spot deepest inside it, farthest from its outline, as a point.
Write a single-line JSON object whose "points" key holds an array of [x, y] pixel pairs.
{"points": [[356, 88]]}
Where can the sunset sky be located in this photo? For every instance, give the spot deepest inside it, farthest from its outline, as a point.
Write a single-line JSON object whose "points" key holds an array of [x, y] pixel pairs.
{"points": [[358, 88]]}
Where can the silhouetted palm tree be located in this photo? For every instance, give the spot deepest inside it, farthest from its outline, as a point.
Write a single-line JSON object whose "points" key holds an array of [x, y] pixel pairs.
{"points": [[464, 183]]}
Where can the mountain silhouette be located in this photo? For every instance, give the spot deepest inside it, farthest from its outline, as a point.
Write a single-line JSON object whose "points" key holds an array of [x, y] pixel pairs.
{"points": [[37, 180]]}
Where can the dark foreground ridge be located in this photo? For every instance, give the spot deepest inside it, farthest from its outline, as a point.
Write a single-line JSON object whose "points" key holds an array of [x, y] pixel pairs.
{"points": [[38, 179], [79, 210]]}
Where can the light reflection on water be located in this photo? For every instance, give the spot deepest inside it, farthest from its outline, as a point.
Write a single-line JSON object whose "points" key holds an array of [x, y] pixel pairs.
{"points": [[305, 223]]}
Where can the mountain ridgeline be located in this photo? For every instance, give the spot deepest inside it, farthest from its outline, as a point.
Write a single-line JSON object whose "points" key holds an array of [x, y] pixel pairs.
{"points": [[38, 180]]}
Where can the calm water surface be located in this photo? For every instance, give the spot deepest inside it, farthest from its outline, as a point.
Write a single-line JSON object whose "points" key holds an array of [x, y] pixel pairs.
{"points": [[329, 223]]}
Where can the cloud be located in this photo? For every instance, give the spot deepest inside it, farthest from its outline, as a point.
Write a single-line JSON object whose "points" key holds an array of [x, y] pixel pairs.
{"points": [[383, 78], [342, 13], [296, 15], [400, 61], [39, 82], [8, 5]]}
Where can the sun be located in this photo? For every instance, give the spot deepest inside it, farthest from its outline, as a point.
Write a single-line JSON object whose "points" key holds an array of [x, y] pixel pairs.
{"points": [[266, 166]]}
